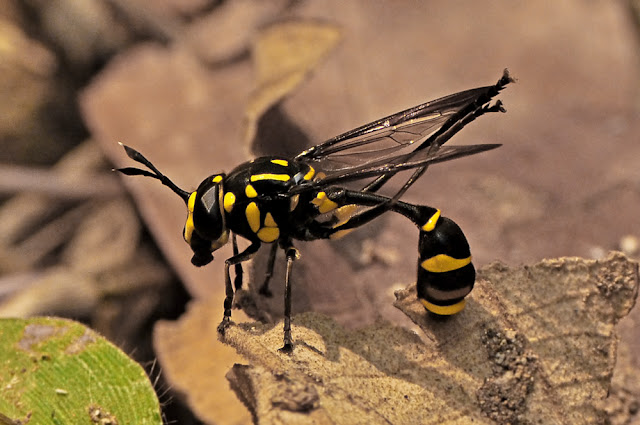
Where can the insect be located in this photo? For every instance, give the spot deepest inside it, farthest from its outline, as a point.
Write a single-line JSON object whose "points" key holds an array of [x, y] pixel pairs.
{"points": [[278, 200]]}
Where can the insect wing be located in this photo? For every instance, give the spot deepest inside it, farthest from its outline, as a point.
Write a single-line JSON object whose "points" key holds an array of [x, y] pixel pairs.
{"points": [[386, 137], [395, 164]]}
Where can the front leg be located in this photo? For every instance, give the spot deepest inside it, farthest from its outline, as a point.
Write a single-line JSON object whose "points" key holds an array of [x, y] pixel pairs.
{"points": [[237, 281], [228, 301], [292, 254]]}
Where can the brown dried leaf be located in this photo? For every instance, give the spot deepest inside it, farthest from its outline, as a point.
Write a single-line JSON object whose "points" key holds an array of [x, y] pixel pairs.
{"points": [[195, 362], [284, 55], [518, 354], [554, 322], [107, 238], [26, 67], [231, 26]]}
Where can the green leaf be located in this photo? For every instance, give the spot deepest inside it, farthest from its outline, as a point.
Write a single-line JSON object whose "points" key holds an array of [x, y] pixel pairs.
{"points": [[57, 371]]}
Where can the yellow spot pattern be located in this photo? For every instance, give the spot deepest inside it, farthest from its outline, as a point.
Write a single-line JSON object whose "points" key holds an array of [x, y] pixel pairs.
{"points": [[217, 179], [341, 233], [268, 234], [431, 223], [229, 200], [443, 263], [323, 203], [282, 162], [344, 214], [310, 174], [253, 217], [270, 231], [188, 225], [269, 221], [188, 228], [250, 191], [293, 202], [191, 204], [279, 177], [444, 310]]}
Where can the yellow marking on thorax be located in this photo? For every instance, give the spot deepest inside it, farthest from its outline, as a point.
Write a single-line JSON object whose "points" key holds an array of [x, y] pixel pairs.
{"points": [[269, 221], [443, 263], [270, 231], [293, 202], [444, 310], [229, 200], [431, 223], [268, 234], [268, 176], [217, 179], [310, 174], [282, 162], [253, 216], [323, 203], [250, 191]]}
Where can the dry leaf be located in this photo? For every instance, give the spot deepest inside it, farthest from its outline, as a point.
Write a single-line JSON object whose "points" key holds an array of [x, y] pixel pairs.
{"points": [[195, 362], [536, 344], [284, 54], [231, 27]]}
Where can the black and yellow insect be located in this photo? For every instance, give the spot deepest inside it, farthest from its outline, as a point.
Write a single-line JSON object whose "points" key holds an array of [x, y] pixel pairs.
{"points": [[276, 200]]}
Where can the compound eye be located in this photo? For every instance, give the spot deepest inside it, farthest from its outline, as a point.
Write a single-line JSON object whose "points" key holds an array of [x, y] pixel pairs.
{"points": [[207, 216]]}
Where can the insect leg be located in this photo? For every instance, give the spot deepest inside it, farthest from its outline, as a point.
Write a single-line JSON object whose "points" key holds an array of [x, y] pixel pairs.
{"points": [[445, 272], [264, 288], [292, 254], [228, 301], [237, 281], [379, 205]]}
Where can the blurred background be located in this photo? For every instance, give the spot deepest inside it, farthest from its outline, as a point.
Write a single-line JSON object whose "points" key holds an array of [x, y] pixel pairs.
{"points": [[200, 86]]}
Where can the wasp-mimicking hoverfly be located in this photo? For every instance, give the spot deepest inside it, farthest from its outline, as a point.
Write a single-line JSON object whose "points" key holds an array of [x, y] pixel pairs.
{"points": [[276, 200]]}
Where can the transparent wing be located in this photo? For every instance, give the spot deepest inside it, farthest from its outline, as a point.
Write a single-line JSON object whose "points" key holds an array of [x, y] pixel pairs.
{"points": [[406, 131], [392, 165]]}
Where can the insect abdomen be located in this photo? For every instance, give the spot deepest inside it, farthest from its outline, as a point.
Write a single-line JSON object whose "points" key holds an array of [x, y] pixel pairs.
{"points": [[445, 272]]}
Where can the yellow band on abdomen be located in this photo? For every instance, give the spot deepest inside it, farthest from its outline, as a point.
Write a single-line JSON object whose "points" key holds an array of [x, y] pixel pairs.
{"points": [[443, 263], [444, 310]]}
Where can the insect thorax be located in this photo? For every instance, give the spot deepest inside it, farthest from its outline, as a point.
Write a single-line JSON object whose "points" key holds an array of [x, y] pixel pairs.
{"points": [[256, 198]]}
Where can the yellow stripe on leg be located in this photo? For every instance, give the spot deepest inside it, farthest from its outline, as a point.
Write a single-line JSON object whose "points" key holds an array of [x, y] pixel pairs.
{"points": [[444, 310]]}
